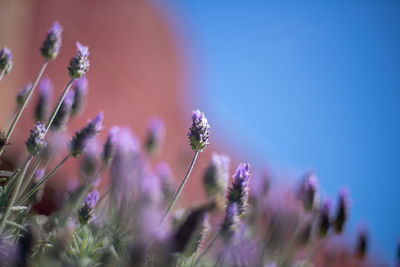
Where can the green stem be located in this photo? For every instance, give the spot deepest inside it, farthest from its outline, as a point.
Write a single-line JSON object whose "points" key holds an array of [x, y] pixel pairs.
{"points": [[60, 100], [14, 194], [31, 173], [38, 185], [19, 113], [11, 117], [1, 75], [178, 192], [6, 173], [215, 238]]}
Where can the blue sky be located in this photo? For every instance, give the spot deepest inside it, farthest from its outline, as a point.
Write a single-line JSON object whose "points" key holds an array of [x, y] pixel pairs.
{"points": [[312, 85]]}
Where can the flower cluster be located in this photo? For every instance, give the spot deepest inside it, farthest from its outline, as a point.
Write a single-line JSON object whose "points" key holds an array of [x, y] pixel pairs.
{"points": [[5, 60], [79, 64], [35, 142], [199, 133], [52, 44]]}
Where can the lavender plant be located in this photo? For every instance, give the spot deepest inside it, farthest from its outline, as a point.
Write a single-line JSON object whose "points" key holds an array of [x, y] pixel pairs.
{"points": [[134, 220]]}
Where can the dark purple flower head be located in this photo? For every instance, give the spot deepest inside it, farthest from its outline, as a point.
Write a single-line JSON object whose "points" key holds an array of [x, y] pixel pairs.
{"points": [[199, 133], [231, 222], [43, 104], [308, 191], [5, 60], [79, 64], [52, 44], [109, 145], [341, 211], [216, 175], [324, 219], [23, 94], [63, 114], [80, 89], [239, 191], [85, 213], [36, 142], [361, 243], [84, 135], [155, 136]]}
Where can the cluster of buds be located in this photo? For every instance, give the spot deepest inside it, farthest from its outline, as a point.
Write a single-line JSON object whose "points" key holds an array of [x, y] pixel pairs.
{"points": [[52, 43], [83, 136], [239, 192], [324, 220], [85, 213], [79, 64], [23, 94], [35, 142], [5, 60], [341, 212], [308, 191], [231, 222], [199, 133]]}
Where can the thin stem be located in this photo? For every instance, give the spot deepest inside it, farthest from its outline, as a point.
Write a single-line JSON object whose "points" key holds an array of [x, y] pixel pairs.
{"points": [[14, 194], [1, 75], [204, 252], [10, 118], [60, 100], [38, 185], [178, 192], [6, 173], [31, 173], [19, 113]]}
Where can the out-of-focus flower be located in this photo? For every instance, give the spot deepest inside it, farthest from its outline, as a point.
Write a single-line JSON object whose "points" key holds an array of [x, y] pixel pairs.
{"points": [[108, 147], [239, 191], [79, 64], [83, 136], [43, 104], [341, 212], [80, 90], [5, 60], [260, 185], [85, 213], [55, 146], [37, 177], [308, 191], [90, 156], [324, 220], [155, 137], [216, 175], [35, 141], [231, 222], [61, 119], [199, 133], [52, 44], [361, 244], [23, 94], [7, 252], [167, 180]]}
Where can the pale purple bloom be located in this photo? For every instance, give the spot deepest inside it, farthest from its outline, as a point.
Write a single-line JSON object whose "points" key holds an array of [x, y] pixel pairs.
{"points": [[5, 60], [341, 211], [61, 119], [52, 44], [150, 189], [231, 221], [308, 191], [239, 192], [199, 133], [216, 175], [155, 136], [36, 142], [7, 252], [79, 64], [90, 156], [39, 173], [23, 94], [80, 89], [91, 199], [167, 180], [83, 136], [43, 103], [109, 145]]}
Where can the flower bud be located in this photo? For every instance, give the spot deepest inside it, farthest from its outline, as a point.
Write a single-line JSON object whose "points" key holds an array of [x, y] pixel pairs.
{"points": [[109, 145], [199, 133], [52, 44], [231, 222], [361, 244], [155, 136], [341, 212], [308, 191], [23, 94], [79, 64], [5, 60], [80, 93], [239, 192], [62, 117], [85, 213], [43, 104], [324, 221], [35, 141]]}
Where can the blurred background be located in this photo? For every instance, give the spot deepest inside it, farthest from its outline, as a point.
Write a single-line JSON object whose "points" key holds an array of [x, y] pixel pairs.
{"points": [[287, 86]]}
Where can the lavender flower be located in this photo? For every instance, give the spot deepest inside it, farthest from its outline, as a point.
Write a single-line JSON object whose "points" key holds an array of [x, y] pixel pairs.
{"points": [[341, 212], [308, 191], [216, 175], [36, 142], [83, 136], [361, 244], [89, 162], [324, 220], [85, 213], [167, 180], [199, 133], [155, 136], [5, 60], [23, 94], [52, 43], [61, 119], [80, 89], [231, 222], [108, 147], [79, 64], [239, 191], [43, 104]]}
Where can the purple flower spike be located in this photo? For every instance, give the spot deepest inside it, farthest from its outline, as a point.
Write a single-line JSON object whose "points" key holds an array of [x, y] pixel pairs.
{"points": [[79, 64], [231, 222], [23, 94], [85, 213], [91, 199], [156, 136], [199, 133], [43, 104], [109, 145], [361, 243], [216, 175], [80, 89], [308, 191], [239, 192], [5, 60], [36, 142], [63, 114], [83, 136], [52, 44], [341, 211], [324, 220]]}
